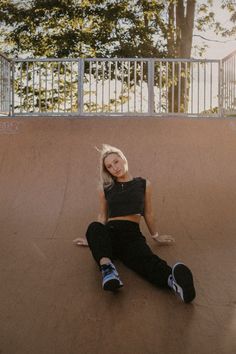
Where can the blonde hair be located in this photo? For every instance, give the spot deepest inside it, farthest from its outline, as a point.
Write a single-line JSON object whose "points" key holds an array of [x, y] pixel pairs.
{"points": [[106, 179]]}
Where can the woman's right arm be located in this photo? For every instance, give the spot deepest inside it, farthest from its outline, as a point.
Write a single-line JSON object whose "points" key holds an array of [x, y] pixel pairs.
{"points": [[103, 209]]}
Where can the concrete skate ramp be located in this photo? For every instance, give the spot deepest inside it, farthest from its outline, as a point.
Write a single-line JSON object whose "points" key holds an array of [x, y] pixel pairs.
{"points": [[51, 300]]}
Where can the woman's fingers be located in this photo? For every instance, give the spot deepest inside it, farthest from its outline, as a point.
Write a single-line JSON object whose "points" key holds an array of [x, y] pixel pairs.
{"points": [[80, 241], [164, 239]]}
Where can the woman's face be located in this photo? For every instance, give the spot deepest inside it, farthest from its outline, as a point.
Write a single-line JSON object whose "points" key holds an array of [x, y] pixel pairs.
{"points": [[115, 165]]}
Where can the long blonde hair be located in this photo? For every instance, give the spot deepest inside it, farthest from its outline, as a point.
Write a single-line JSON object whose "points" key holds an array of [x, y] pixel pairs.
{"points": [[106, 179]]}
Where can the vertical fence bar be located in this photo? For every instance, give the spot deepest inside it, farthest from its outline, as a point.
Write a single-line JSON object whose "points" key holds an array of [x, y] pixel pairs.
{"points": [[192, 65], [173, 88], [231, 86], [90, 84], [225, 85], [64, 84], [96, 85], [80, 69], [102, 63], [204, 88], [179, 88], [12, 88], [9, 88], [109, 87], [2, 89], [141, 86], [221, 91], [186, 87], [167, 87], [231, 83], [58, 87], [1, 85], [151, 105], [21, 88], [71, 86], [116, 86], [198, 87], [160, 87], [26, 88], [234, 83], [122, 86], [52, 78], [135, 82], [227, 73], [45, 86], [128, 84], [211, 88], [33, 87]]}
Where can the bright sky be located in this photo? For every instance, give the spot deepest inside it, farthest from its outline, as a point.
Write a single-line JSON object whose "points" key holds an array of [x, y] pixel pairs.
{"points": [[217, 50]]}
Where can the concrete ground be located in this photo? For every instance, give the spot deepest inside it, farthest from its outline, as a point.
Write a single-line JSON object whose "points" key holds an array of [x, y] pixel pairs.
{"points": [[51, 301]]}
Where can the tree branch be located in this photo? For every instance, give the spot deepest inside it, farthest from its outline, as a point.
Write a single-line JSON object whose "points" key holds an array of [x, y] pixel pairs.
{"points": [[213, 40]]}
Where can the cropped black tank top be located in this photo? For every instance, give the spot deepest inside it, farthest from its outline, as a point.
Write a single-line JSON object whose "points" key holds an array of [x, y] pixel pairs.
{"points": [[126, 198]]}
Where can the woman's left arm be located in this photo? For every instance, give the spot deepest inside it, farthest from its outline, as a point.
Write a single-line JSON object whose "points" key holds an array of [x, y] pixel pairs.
{"points": [[150, 219], [148, 210]]}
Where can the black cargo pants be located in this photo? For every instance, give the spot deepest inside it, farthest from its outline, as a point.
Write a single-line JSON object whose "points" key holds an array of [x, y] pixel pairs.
{"points": [[123, 240]]}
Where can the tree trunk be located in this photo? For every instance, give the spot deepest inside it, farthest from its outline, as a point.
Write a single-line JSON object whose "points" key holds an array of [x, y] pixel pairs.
{"points": [[179, 44]]}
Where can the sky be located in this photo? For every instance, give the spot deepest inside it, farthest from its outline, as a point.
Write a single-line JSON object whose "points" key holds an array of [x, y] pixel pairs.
{"points": [[219, 49]]}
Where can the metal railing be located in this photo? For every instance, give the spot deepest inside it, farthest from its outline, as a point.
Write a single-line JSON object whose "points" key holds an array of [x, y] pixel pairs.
{"points": [[120, 86], [46, 86]]}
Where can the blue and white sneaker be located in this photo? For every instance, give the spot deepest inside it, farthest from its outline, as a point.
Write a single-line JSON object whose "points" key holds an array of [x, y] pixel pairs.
{"points": [[181, 281], [110, 277]]}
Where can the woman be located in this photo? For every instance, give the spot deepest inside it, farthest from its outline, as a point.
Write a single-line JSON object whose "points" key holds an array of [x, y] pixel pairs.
{"points": [[116, 233]]}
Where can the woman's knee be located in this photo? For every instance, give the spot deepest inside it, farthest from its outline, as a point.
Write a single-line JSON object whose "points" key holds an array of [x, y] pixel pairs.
{"points": [[94, 228]]}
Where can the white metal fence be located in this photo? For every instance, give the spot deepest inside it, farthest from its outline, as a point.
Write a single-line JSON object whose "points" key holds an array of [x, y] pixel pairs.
{"points": [[120, 86]]}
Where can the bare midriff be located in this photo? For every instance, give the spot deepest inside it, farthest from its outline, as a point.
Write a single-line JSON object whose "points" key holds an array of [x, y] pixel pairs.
{"points": [[135, 218]]}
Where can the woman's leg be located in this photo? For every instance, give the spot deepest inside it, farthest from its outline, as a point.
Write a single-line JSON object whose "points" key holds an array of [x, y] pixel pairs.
{"points": [[138, 256], [100, 244]]}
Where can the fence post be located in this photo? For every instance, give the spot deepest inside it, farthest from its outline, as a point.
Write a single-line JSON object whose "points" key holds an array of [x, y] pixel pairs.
{"points": [[11, 87], [151, 71], [5, 82], [221, 89], [80, 86]]}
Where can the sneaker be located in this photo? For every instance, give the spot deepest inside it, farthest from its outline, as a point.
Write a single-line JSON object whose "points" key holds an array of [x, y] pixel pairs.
{"points": [[110, 277], [181, 281]]}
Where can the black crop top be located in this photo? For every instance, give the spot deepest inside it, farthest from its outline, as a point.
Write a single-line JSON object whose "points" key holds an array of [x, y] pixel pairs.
{"points": [[126, 198]]}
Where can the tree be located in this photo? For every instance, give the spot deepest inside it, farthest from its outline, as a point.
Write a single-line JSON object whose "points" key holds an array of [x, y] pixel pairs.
{"points": [[183, 18], [92, 28]]}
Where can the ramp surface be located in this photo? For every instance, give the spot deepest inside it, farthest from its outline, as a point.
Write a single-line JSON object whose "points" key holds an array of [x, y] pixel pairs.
{"points": [[51, 300]]}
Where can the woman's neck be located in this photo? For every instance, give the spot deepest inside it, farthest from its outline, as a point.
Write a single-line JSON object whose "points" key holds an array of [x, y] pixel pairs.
{"points": [[126, 178]]}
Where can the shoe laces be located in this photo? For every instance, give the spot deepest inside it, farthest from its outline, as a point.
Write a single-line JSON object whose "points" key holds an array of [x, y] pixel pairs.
{"points": [[107, 269]]}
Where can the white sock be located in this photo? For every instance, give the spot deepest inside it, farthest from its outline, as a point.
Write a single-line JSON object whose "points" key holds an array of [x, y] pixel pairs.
{"points": [[170, 281]]}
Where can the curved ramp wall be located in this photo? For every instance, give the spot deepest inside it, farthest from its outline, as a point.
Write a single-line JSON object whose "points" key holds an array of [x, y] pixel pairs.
{"points": [[51, 300]]}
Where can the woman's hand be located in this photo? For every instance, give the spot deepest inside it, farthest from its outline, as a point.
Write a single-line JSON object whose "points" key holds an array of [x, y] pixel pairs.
{"points": [[163, 240], [80, 241]]}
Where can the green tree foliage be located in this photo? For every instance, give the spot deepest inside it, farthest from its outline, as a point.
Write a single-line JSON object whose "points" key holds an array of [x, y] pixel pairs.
{"points": [[105, 28]]}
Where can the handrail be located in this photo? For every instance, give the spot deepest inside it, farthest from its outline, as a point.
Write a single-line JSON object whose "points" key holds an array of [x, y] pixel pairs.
{"points": [[44, 59]]}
